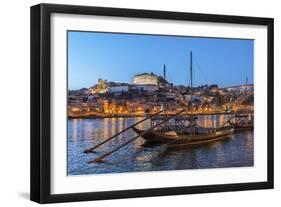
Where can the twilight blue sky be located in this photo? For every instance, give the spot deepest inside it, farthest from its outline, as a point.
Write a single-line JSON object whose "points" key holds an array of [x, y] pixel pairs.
{"points": [[118, 57]]}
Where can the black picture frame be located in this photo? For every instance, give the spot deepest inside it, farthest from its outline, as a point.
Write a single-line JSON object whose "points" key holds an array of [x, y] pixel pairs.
{"points": [[41, 97]]}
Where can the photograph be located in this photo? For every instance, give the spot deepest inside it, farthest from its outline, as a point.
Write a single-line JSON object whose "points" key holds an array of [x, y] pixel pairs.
{"points": [[133, 103], [153, 102]]}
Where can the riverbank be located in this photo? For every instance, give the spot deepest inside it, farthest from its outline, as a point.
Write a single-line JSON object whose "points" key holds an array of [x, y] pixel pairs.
{"points": [[142, 115], [105, 116]]}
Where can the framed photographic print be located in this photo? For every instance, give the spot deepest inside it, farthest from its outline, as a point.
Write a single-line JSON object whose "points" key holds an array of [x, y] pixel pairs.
{"points": [[133, 103]]}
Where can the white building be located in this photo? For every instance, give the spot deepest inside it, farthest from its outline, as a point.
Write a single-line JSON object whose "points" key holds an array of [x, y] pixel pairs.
{"points": [[145, 79], [241, 88], [188, 97]]}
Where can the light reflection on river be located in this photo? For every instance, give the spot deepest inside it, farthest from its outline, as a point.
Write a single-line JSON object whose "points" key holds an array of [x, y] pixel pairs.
{"points": [[237, 151]]}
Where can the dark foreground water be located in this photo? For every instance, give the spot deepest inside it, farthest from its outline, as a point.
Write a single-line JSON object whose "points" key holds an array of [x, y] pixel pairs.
{"points": [[237, 151]]}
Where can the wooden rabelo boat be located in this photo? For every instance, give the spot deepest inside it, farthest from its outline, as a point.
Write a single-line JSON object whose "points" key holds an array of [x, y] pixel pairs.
{"points": [[243, 122], [188, 137]]}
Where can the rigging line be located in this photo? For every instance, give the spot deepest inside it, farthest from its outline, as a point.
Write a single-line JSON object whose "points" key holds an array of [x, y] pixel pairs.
{"points": [[202, 72]]}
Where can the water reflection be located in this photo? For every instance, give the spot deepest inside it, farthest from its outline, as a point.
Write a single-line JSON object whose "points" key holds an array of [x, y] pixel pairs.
{"points": [[237, 151]]}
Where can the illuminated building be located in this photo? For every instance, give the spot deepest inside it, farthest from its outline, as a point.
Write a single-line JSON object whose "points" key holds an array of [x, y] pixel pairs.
{"points": [[105, 106], [145, 79], [241, 88]]}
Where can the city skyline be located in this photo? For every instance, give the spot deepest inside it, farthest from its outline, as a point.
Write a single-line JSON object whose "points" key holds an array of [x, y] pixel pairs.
{"points": [[118, 57]]}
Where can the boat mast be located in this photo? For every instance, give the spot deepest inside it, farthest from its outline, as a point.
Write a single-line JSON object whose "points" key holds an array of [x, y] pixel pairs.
{"points": [[191, 80], [165, 107], [246, 85], [193, 119]]}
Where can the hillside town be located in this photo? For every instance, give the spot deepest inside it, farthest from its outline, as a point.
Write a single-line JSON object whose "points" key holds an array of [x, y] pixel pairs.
{"points": [[146, 95]]}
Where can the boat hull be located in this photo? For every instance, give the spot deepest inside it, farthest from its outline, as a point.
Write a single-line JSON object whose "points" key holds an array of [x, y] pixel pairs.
{"points": [[156, 137], [196, 143]]}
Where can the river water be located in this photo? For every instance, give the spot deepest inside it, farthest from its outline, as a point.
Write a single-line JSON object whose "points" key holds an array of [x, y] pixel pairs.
{"points": [[237, 151]]}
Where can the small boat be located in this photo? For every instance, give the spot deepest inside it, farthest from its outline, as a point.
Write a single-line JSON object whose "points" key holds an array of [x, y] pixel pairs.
{"points": [[243, 122]]}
